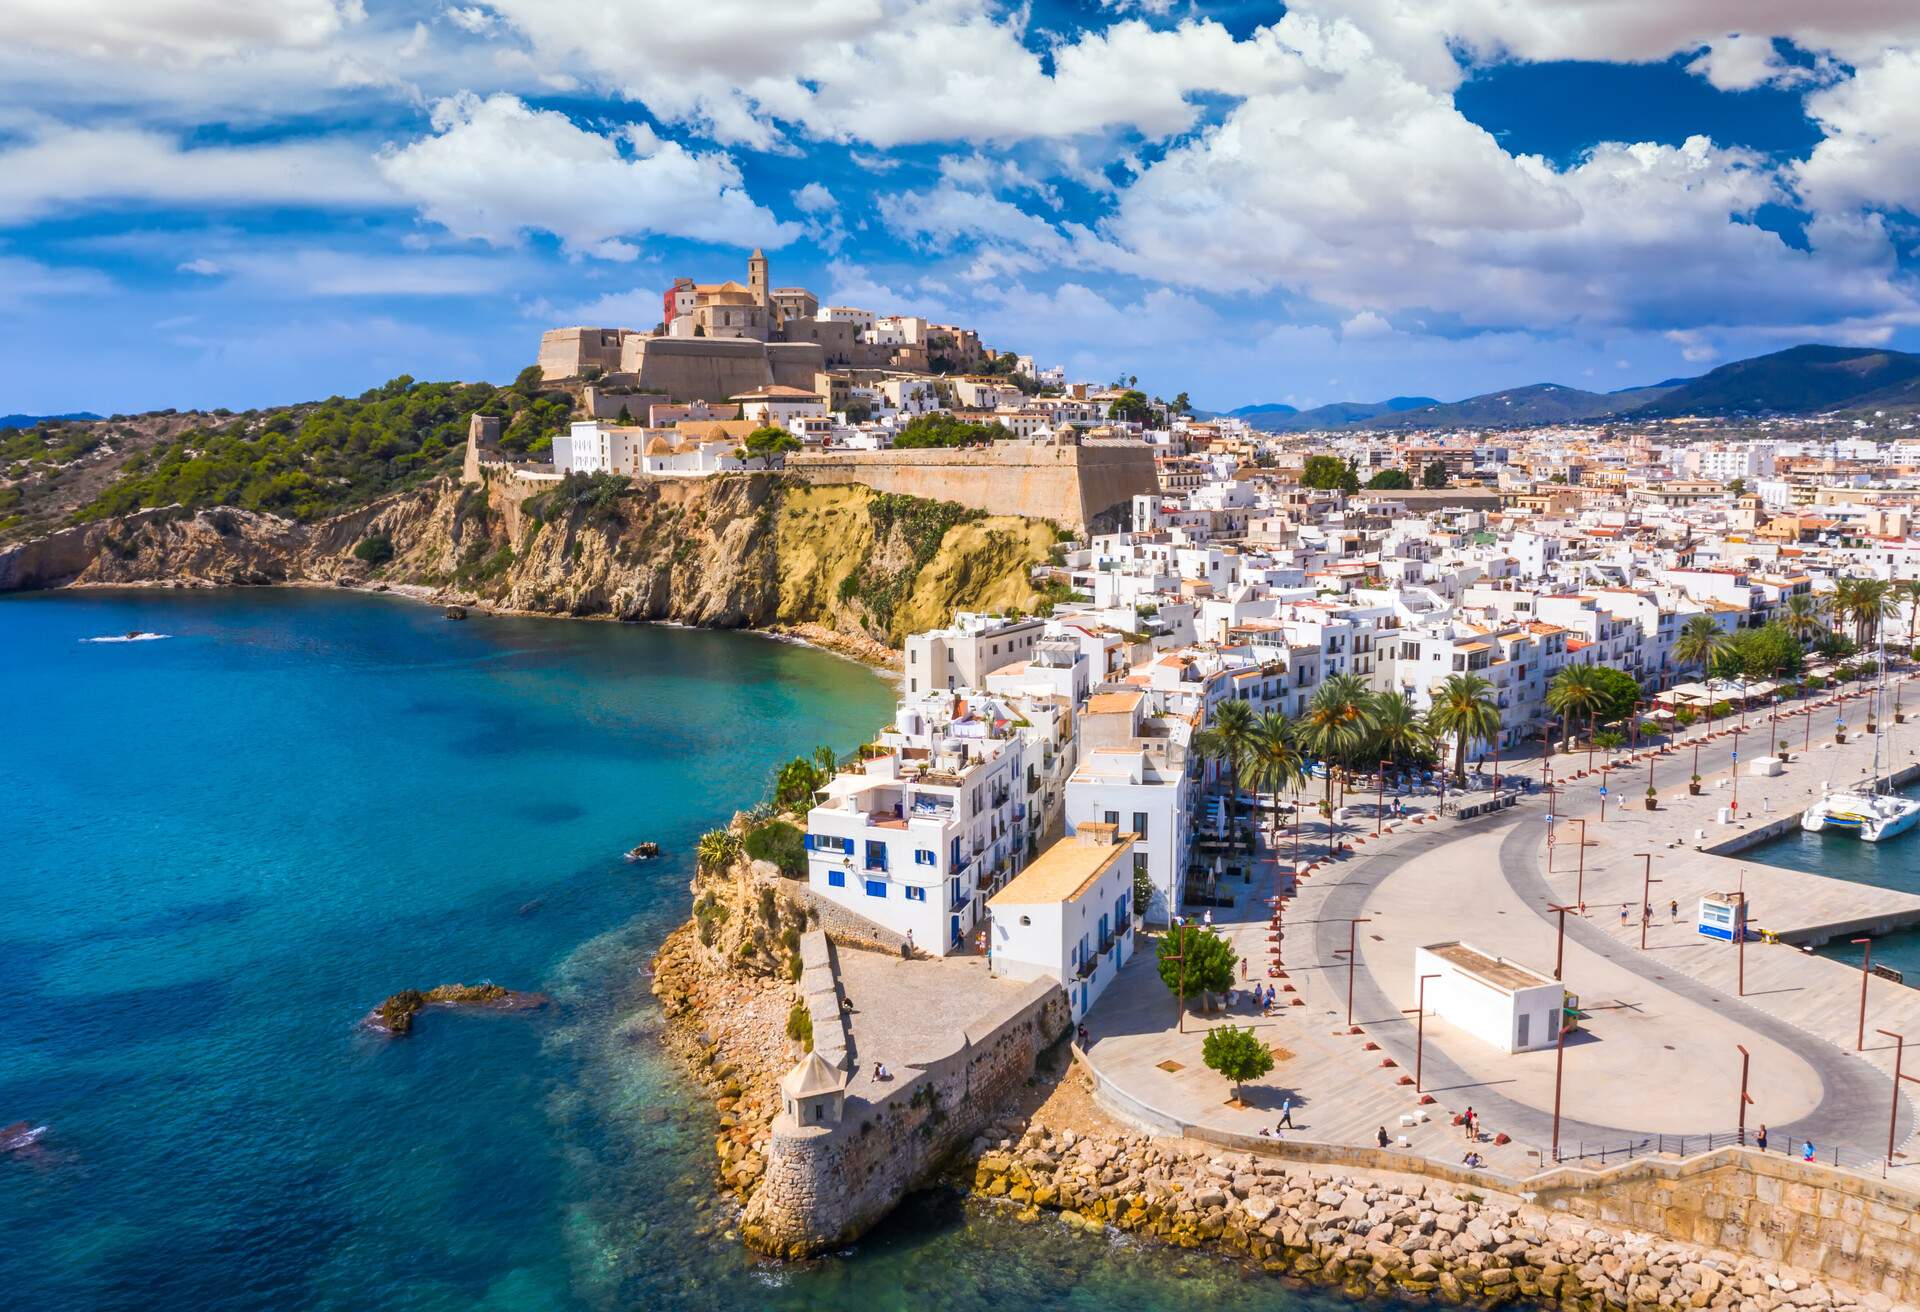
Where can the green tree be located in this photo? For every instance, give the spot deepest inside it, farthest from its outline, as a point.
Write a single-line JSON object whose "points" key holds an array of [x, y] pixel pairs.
{"points": [[1329, 473], [943, 430], [1209, 961], [1131, 406], [1398, 734], [1391, 480], [768, 443], [1800, 617], [1434, 475], [800, 1025], [1464, 710], [1237, 1054], [375, 549], [1226, 740], [1616, 691], [1737, 487], [1181, 405]]}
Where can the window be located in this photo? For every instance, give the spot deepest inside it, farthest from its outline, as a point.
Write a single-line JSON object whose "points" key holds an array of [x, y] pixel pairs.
{"points": [[1113, 818], [1139, 863], [925, 857], [876, 855], [916, 894], [876, 888], [836, 879], [1140, 823]]}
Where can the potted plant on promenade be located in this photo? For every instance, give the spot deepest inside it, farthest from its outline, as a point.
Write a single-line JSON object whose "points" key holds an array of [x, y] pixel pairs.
{"points": [[1693, 785], [1653, 800], [1783, 750]]}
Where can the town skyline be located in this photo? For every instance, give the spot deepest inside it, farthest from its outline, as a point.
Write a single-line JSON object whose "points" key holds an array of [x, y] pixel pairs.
{"points": [[1331, 204]]}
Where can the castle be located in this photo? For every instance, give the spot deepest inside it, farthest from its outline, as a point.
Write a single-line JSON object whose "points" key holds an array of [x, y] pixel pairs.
{"points": [[717, 340]]}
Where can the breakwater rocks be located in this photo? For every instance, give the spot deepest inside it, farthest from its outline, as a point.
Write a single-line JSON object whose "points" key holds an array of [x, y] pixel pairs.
{"points": [[395, 1016], [1380, 1236]]}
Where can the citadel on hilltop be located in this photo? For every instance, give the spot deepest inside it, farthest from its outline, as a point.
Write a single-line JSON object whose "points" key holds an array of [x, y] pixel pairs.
{"points": [[718, 340]]}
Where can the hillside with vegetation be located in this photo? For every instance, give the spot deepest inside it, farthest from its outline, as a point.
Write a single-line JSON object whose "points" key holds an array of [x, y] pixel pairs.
{"points": [[304, 461]]}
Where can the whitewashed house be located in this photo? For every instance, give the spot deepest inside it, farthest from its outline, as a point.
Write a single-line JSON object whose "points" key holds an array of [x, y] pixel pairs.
{"points": [[1068, 916]]}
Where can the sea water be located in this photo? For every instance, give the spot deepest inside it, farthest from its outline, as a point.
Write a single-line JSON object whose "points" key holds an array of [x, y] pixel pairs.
{"points": [[223, 846], [1894, 863]]}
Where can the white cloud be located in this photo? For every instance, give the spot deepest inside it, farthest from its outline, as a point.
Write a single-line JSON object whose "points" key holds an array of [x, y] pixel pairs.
{"points": [[58, 166], [204, 267], [495, 169], [174, 31], [1739, 63], [1871, 153], [23, 280], [815, 199], [471, 18]]}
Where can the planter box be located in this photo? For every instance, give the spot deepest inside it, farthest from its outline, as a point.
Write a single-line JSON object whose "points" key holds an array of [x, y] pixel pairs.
{"points": [[1693, 789], [1653, 804]]}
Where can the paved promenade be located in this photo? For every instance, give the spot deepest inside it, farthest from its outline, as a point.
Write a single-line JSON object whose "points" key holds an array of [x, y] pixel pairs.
{"points": [[1656, 1059]]}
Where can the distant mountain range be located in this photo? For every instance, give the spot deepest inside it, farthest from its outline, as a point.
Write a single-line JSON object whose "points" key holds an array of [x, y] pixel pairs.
{"points": [[1799, 380], [28, 421]]}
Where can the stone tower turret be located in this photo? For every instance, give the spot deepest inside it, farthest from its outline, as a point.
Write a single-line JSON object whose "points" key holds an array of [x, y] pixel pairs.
{"points": [[757, 277]]}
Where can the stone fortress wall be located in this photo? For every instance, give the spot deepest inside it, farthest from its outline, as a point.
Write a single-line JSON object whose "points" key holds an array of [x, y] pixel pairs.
{"points": [[826, 1184], [1079, 487]]}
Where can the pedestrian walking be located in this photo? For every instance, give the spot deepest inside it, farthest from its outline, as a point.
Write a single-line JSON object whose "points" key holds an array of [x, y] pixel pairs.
{"points": [[1673, 907], [1380, 1137], [1286, 1114], [1623, 915], [1472, 1130], [1760, 1139], [1206, 917]]}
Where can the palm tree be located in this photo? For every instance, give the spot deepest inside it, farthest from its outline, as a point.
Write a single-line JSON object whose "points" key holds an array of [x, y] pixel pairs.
{"points": [[1337, 722], [1870, 603], [1699, 642], [1228, 737], [1907, 593], [1800, 617], [1273, 760], [1839, 603], [1398, 734], [1574, 692], [1463, 708]]}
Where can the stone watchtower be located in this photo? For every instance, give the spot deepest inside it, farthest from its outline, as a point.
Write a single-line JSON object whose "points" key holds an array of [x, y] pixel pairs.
{"points": [[814, 1092], [757, 277]]}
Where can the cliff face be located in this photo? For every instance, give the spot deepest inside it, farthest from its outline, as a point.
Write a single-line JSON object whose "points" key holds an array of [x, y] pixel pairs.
{"points": [[733, 551]]}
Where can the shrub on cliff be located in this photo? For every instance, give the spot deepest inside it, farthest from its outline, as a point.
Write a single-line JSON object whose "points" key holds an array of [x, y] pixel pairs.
{"points": [[717, 849], [375, 549], [800, 1025], [781, 843], [944, 430], [796, 782], [1238, 1054]]}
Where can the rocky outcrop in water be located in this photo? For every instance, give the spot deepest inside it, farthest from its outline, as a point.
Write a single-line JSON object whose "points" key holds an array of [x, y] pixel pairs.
{"points": [[395, 1016], [733, 551]]}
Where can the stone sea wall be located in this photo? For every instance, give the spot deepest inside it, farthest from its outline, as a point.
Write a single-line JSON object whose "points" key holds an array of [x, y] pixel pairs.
{"points": [[1385, 1236], [824, 1185]]}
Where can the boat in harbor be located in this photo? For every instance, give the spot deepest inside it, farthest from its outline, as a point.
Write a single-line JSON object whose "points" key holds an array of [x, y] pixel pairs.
{"points": [[1872, 816], [1875, 813]]}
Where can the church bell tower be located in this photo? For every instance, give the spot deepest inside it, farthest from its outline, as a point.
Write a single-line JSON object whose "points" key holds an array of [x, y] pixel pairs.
{"points": [[757, 277]]}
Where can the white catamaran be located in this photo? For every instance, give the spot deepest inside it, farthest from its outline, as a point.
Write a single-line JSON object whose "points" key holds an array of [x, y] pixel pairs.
{"points": [[1874, 812]]}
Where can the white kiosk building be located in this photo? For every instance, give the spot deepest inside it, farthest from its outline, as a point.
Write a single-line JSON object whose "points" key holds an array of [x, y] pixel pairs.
{"points": [[1067, 915], [1512, 1007]]}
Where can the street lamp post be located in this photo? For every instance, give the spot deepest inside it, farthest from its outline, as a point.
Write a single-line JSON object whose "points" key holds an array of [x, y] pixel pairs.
{"points": [[1420, 1035], [1560, 949], [1807, 744], [1381, 806], [1736, 772], [1893, 1116], [1580, 875], [1646, 896], [1603, 794], [1866, 973], [1559, 1069], [1745, 1061], [1353, 935], [1180, 991]]}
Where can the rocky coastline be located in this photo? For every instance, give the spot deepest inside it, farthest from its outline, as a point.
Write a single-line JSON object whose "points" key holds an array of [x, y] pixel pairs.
{"points": [[1371, 1235]]}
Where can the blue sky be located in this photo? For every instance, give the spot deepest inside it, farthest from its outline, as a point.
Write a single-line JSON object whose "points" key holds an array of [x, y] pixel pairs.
{"points": [[204, 203]]}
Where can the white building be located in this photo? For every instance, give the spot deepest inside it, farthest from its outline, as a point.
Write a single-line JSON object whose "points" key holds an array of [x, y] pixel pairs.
{"points": [[913, 838], [1498, 1001], [1068, 916], [966, 651], [1138, 785]]}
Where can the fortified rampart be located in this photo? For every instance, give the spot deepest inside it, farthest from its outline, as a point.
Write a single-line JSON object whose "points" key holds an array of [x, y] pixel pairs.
{"points": [[1080, 487], [826, 1184]]}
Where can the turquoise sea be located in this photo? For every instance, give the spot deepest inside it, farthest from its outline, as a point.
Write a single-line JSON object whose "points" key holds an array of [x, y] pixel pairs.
{"points": [[222, 848], [1892, 864]]}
